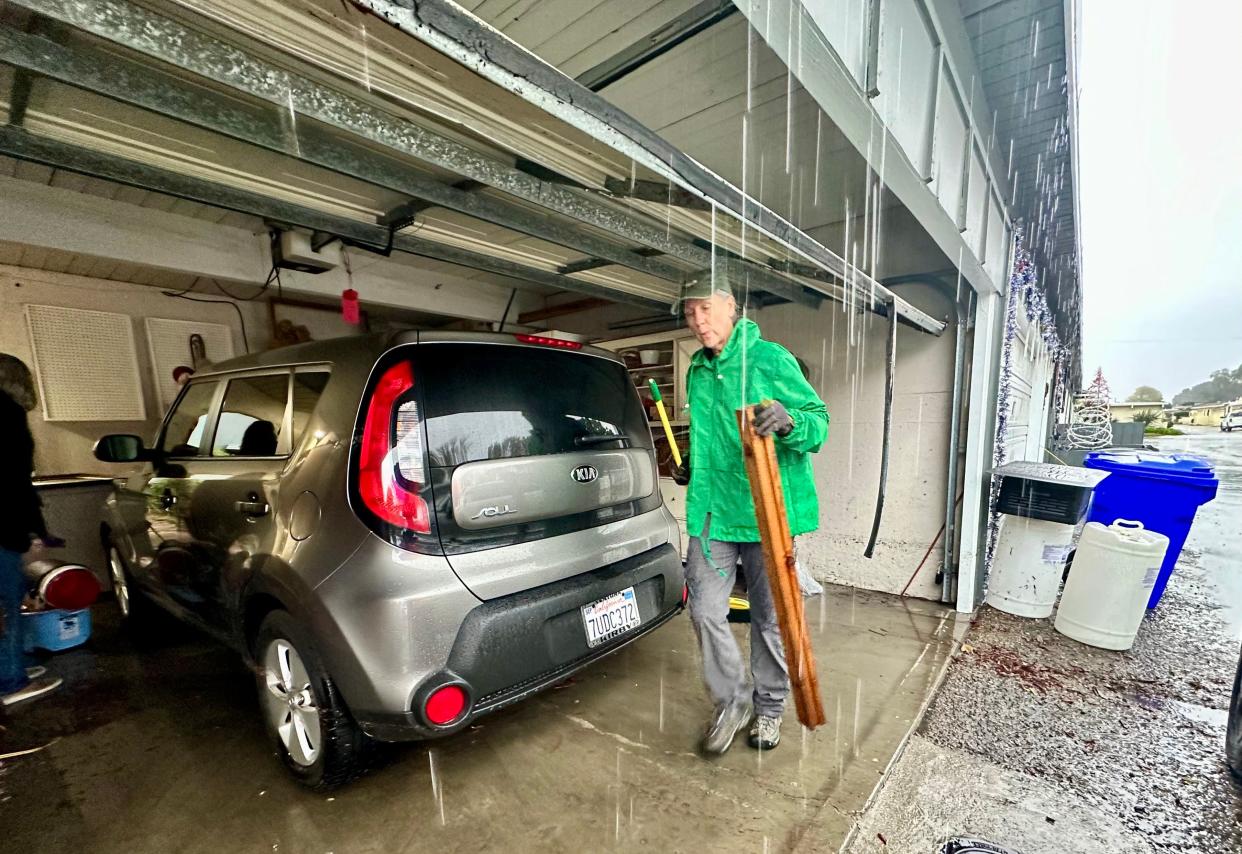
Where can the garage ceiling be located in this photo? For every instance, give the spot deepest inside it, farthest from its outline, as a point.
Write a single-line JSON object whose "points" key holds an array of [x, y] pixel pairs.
{"points": [[314, 114]]}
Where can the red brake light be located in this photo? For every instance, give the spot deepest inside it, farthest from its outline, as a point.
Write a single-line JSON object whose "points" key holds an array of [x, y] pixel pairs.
{"points": [[381, 458], [445, 705], [549, 342]]}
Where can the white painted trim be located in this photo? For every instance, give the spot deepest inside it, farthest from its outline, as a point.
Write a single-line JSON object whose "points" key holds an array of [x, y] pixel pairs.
{"points": [[980, 435]]}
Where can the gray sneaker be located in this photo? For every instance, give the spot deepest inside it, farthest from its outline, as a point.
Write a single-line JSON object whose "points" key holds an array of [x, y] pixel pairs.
{"points": [[724, 726], [765, 733]]}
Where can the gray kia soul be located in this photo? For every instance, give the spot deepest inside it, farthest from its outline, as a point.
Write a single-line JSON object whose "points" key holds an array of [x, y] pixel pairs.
{"points": [[401, 532]]}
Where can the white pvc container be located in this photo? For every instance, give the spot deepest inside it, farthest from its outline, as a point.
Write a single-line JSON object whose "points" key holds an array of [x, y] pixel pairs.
{"points": [[1106, 595], [1028, 564]]}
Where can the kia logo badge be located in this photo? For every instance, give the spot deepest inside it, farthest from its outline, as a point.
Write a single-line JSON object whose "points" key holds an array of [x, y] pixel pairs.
{"points": [[585, 474]]}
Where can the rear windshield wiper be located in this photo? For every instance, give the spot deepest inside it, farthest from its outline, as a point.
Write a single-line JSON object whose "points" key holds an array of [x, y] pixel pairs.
{"points": [[599, 440]]}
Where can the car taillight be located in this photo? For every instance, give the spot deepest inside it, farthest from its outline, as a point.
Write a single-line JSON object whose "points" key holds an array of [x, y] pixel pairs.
{"points": [[445, 705], [549, 342], [392, 453]]}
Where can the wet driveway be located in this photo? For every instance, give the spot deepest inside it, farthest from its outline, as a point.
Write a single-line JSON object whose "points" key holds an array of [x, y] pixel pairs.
{"points": [[1042, 744], [162, 749]]}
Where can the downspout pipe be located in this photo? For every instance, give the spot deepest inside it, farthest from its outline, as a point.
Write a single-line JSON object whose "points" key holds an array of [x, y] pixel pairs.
{"points": [[947, 577], [890, 369]]}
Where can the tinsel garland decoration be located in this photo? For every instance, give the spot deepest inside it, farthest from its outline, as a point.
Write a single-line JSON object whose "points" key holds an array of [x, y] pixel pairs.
{"points": [[1023, 288]]}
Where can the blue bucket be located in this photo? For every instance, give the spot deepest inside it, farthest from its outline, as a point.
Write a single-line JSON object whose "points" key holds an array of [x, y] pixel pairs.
{"points": [[54, 629]]}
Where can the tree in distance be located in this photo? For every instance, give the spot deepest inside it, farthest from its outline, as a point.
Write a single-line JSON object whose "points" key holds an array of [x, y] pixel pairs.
{"points": [[1145, 394]]}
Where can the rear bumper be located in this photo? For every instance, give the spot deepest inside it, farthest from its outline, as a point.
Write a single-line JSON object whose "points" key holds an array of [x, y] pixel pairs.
{"points": [[514, 646]]}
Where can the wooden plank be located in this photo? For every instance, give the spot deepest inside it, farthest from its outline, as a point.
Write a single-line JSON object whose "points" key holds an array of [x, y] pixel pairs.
{"points": [[778, 554]]}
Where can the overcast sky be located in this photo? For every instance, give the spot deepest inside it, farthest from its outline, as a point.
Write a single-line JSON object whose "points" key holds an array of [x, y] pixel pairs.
{"points": [[1161, 191]]}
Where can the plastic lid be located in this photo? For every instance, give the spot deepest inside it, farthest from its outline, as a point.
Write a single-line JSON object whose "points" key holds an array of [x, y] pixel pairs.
{"points": [[1156, 465]]}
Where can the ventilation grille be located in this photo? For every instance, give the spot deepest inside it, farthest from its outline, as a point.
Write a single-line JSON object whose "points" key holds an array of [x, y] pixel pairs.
{"points": [[1051, 502], [86, 364]]}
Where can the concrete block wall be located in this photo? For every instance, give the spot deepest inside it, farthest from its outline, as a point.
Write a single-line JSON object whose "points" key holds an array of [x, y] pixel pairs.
{"points": [[851, 381]]}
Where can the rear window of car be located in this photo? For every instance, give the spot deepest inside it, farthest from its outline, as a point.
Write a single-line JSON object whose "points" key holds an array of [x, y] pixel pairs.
{"points": [[492, 401]]}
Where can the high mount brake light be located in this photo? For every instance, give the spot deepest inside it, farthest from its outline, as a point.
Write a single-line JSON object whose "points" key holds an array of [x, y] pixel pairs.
{"points": [[544, 341], [392, 452]]}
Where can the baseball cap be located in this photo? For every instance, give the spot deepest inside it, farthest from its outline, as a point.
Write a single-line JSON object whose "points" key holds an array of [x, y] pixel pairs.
{"points": [[703, 286]]}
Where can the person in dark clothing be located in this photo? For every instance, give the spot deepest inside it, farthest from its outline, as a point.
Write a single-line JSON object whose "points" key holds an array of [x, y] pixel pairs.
{"points": [[21, 520]]}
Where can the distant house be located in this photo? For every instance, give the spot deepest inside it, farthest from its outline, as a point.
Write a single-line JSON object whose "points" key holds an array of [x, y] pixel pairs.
{"points": [[1126, 411], [1210, 414]]}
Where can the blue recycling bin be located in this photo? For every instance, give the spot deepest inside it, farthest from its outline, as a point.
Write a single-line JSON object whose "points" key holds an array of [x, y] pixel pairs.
{"points": [[1163, 491]]}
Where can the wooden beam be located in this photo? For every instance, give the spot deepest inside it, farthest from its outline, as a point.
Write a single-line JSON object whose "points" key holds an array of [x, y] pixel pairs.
{"points": [[595, 263], [778, 553]]}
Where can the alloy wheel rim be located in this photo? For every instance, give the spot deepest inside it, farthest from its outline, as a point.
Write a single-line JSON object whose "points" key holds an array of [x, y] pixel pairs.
{"points": [[290, 702], [120, 588]]}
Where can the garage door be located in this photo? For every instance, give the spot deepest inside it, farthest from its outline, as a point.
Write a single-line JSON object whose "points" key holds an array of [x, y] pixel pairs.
{"points": [[1029, 383]]}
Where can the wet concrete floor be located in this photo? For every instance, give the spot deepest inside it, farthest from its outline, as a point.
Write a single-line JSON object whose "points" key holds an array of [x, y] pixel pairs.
{"points": [[161, 748]]}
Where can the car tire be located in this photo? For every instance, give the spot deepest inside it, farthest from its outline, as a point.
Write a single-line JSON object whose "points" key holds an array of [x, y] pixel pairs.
{"points": [[1233, 734], [314, 735], [136, 610]]}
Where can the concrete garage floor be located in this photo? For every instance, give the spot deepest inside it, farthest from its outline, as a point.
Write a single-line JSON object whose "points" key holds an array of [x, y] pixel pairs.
{"points": [[161, 749], [1046, 745]]}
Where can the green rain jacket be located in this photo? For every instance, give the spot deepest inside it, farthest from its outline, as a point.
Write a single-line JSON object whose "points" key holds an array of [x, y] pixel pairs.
{"points": [[718, 481]]}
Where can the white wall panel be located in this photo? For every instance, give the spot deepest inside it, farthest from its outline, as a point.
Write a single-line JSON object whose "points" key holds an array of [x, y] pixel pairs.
{"points": [[949, 154], [997, 250], [169, 343], [845, 24], [86, 364], [907, 73], [976, 194]]}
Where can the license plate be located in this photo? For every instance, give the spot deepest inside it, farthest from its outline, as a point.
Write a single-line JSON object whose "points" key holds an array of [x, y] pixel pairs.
{"points": [[610, 617]]}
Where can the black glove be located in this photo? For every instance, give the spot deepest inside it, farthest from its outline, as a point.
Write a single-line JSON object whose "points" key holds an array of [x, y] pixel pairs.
{"points": [[772, 417], [681, 474]]}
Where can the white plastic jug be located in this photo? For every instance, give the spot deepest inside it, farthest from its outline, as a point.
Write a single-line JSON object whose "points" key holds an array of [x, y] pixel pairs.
{"points": [[1106, 595], [1028, 564]]}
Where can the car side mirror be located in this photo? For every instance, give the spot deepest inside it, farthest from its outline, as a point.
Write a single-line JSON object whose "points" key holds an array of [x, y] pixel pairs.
{"points": [[121, 448]]}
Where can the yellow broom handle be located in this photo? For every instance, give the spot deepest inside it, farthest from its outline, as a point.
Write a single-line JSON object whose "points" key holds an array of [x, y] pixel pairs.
{"points": [[668, 428]]}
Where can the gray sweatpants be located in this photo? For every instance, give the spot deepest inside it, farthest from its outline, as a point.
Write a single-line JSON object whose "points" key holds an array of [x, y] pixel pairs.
{"points": [[710, 587]]}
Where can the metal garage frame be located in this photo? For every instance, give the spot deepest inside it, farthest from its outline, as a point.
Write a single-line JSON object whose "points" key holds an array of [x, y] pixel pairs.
{"points": [[364, 126]]}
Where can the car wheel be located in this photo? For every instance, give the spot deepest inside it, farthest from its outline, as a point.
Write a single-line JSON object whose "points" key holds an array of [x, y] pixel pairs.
{"points": [[313, 732], [134, 607], [1233, 736]]}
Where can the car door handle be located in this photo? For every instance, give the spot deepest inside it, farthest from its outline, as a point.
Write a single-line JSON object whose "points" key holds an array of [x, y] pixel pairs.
{"points": [[252, 508]]}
